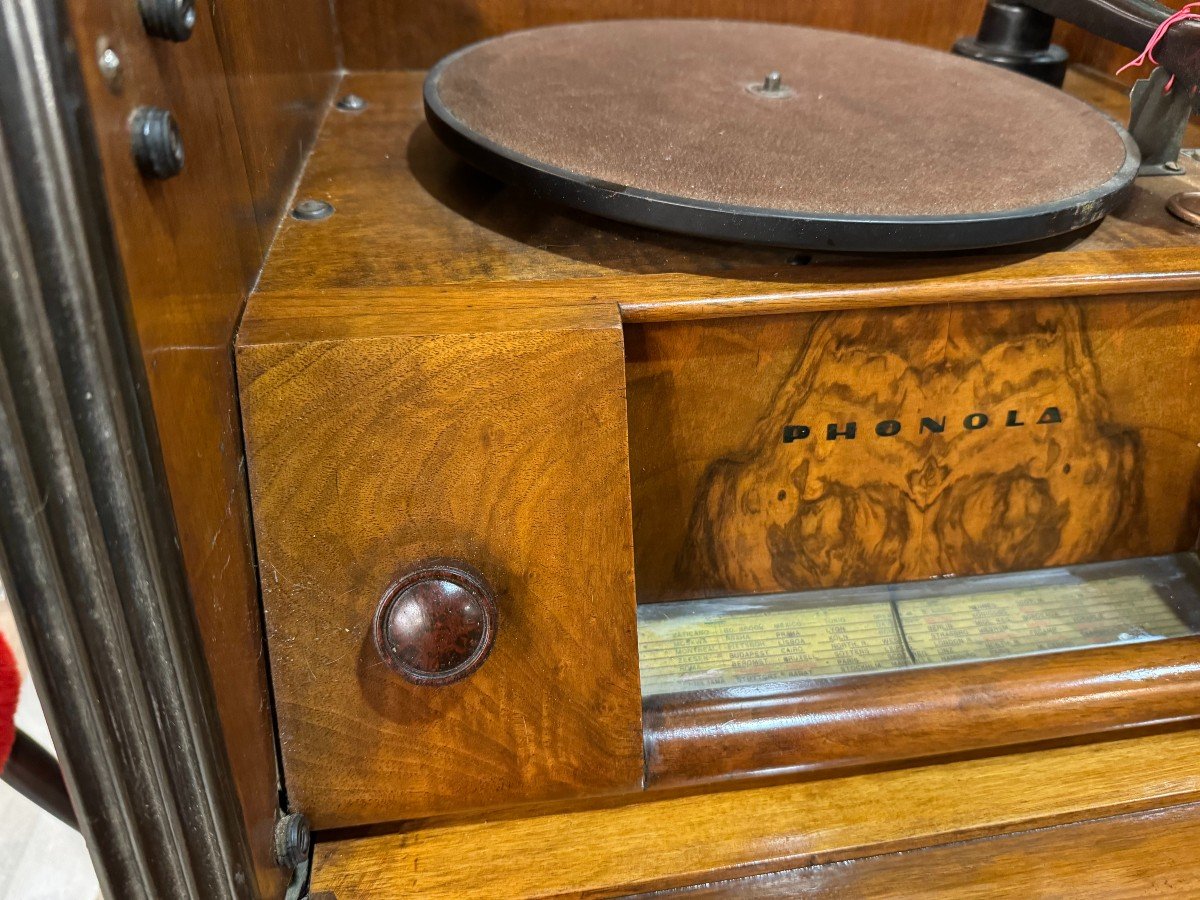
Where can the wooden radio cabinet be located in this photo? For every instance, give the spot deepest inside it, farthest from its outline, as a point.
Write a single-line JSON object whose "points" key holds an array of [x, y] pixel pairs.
{"points": [[439, 370], [538, 555]]}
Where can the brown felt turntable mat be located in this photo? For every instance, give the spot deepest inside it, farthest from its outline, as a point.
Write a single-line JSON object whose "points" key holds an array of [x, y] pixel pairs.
{"points": [[868, 127]]}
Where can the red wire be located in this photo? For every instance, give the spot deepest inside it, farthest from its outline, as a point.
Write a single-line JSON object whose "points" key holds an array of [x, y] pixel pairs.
{"points": [[1181, 15]]}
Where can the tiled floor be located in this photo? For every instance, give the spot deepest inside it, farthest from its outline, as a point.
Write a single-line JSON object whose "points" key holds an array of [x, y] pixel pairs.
{"points": [[40, 857]]}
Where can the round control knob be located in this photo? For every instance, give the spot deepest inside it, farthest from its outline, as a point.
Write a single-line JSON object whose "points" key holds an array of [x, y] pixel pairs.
{"points": [[157, 145], [171, 20], [436, 624]]}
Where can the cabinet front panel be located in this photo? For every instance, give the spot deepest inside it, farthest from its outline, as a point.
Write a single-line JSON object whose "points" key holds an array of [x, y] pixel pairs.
{"points": [[504, 449]]}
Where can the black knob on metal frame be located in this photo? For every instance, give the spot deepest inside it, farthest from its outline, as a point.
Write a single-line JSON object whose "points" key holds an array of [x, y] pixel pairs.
{"points": [[171, 20], [157, 144]]}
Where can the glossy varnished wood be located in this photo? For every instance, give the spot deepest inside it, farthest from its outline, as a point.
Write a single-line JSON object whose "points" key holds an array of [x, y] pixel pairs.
{"points": [[1132, 856], [409, 214], [190, 246], [725, 504], [421, 245], [500, 442], [876, 284], [189, 250], [688, 840], [282, 63], [872, 719], [248, 97], [299, 314], [408, 34]]}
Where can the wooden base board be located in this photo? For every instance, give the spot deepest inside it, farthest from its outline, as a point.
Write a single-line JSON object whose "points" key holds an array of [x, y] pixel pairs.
{"points": [[678, 842], [1135, 856]]}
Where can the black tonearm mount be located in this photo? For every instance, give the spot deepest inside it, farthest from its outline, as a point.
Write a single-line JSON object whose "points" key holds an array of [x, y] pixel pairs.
{"points": [[1017, 36], [1131, 23]]}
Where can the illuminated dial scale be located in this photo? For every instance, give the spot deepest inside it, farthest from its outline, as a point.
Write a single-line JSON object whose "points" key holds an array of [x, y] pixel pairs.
{"points": [[755, 640]]}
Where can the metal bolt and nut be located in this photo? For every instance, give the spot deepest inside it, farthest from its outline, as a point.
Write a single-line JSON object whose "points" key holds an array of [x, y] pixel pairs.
{"points": [[171, 20], [293, 840], [312, 210], [109, 64], [157, 144], [352, 103]]}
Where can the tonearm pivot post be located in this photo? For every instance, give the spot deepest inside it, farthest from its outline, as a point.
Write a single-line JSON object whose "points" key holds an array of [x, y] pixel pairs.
{"points": [[1017, 36]]}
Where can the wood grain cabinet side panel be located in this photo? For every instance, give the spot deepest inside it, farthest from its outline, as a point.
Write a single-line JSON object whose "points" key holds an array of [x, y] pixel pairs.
{"points": [[190, 249], [505, 447], [280, 82]]}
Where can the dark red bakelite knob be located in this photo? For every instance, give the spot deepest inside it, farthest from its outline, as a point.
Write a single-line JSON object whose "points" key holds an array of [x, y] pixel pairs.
{"points": [[436, 624]]}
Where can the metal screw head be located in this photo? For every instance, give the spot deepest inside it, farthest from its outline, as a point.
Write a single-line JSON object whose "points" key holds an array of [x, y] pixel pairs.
{"points": [[109, 64], [771, 87], [171, 20], [1173, 166], [293, 840], [156, 142], [312, 210], [352, 103]]}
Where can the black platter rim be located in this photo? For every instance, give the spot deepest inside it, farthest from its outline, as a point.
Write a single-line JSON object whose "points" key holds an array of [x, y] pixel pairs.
{"points": [[775, 227]]}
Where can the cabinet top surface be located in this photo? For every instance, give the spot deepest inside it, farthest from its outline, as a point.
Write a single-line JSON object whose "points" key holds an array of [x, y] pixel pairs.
{"points": [[412, 222]]}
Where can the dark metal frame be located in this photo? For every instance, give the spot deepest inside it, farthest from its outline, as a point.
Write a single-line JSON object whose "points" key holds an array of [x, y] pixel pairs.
{"points": [[88, 548], [775, 227], [33, 772]]}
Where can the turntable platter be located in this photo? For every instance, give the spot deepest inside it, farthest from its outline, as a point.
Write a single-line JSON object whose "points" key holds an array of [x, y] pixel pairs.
{"points": [[861, 144]]}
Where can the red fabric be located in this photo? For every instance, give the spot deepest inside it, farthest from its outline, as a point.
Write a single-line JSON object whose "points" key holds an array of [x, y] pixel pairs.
{"points": [[10, 686]]}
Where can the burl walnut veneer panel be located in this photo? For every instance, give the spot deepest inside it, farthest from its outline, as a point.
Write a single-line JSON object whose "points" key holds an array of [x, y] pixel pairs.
{"points": [[860, 447], [501, 440]]}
